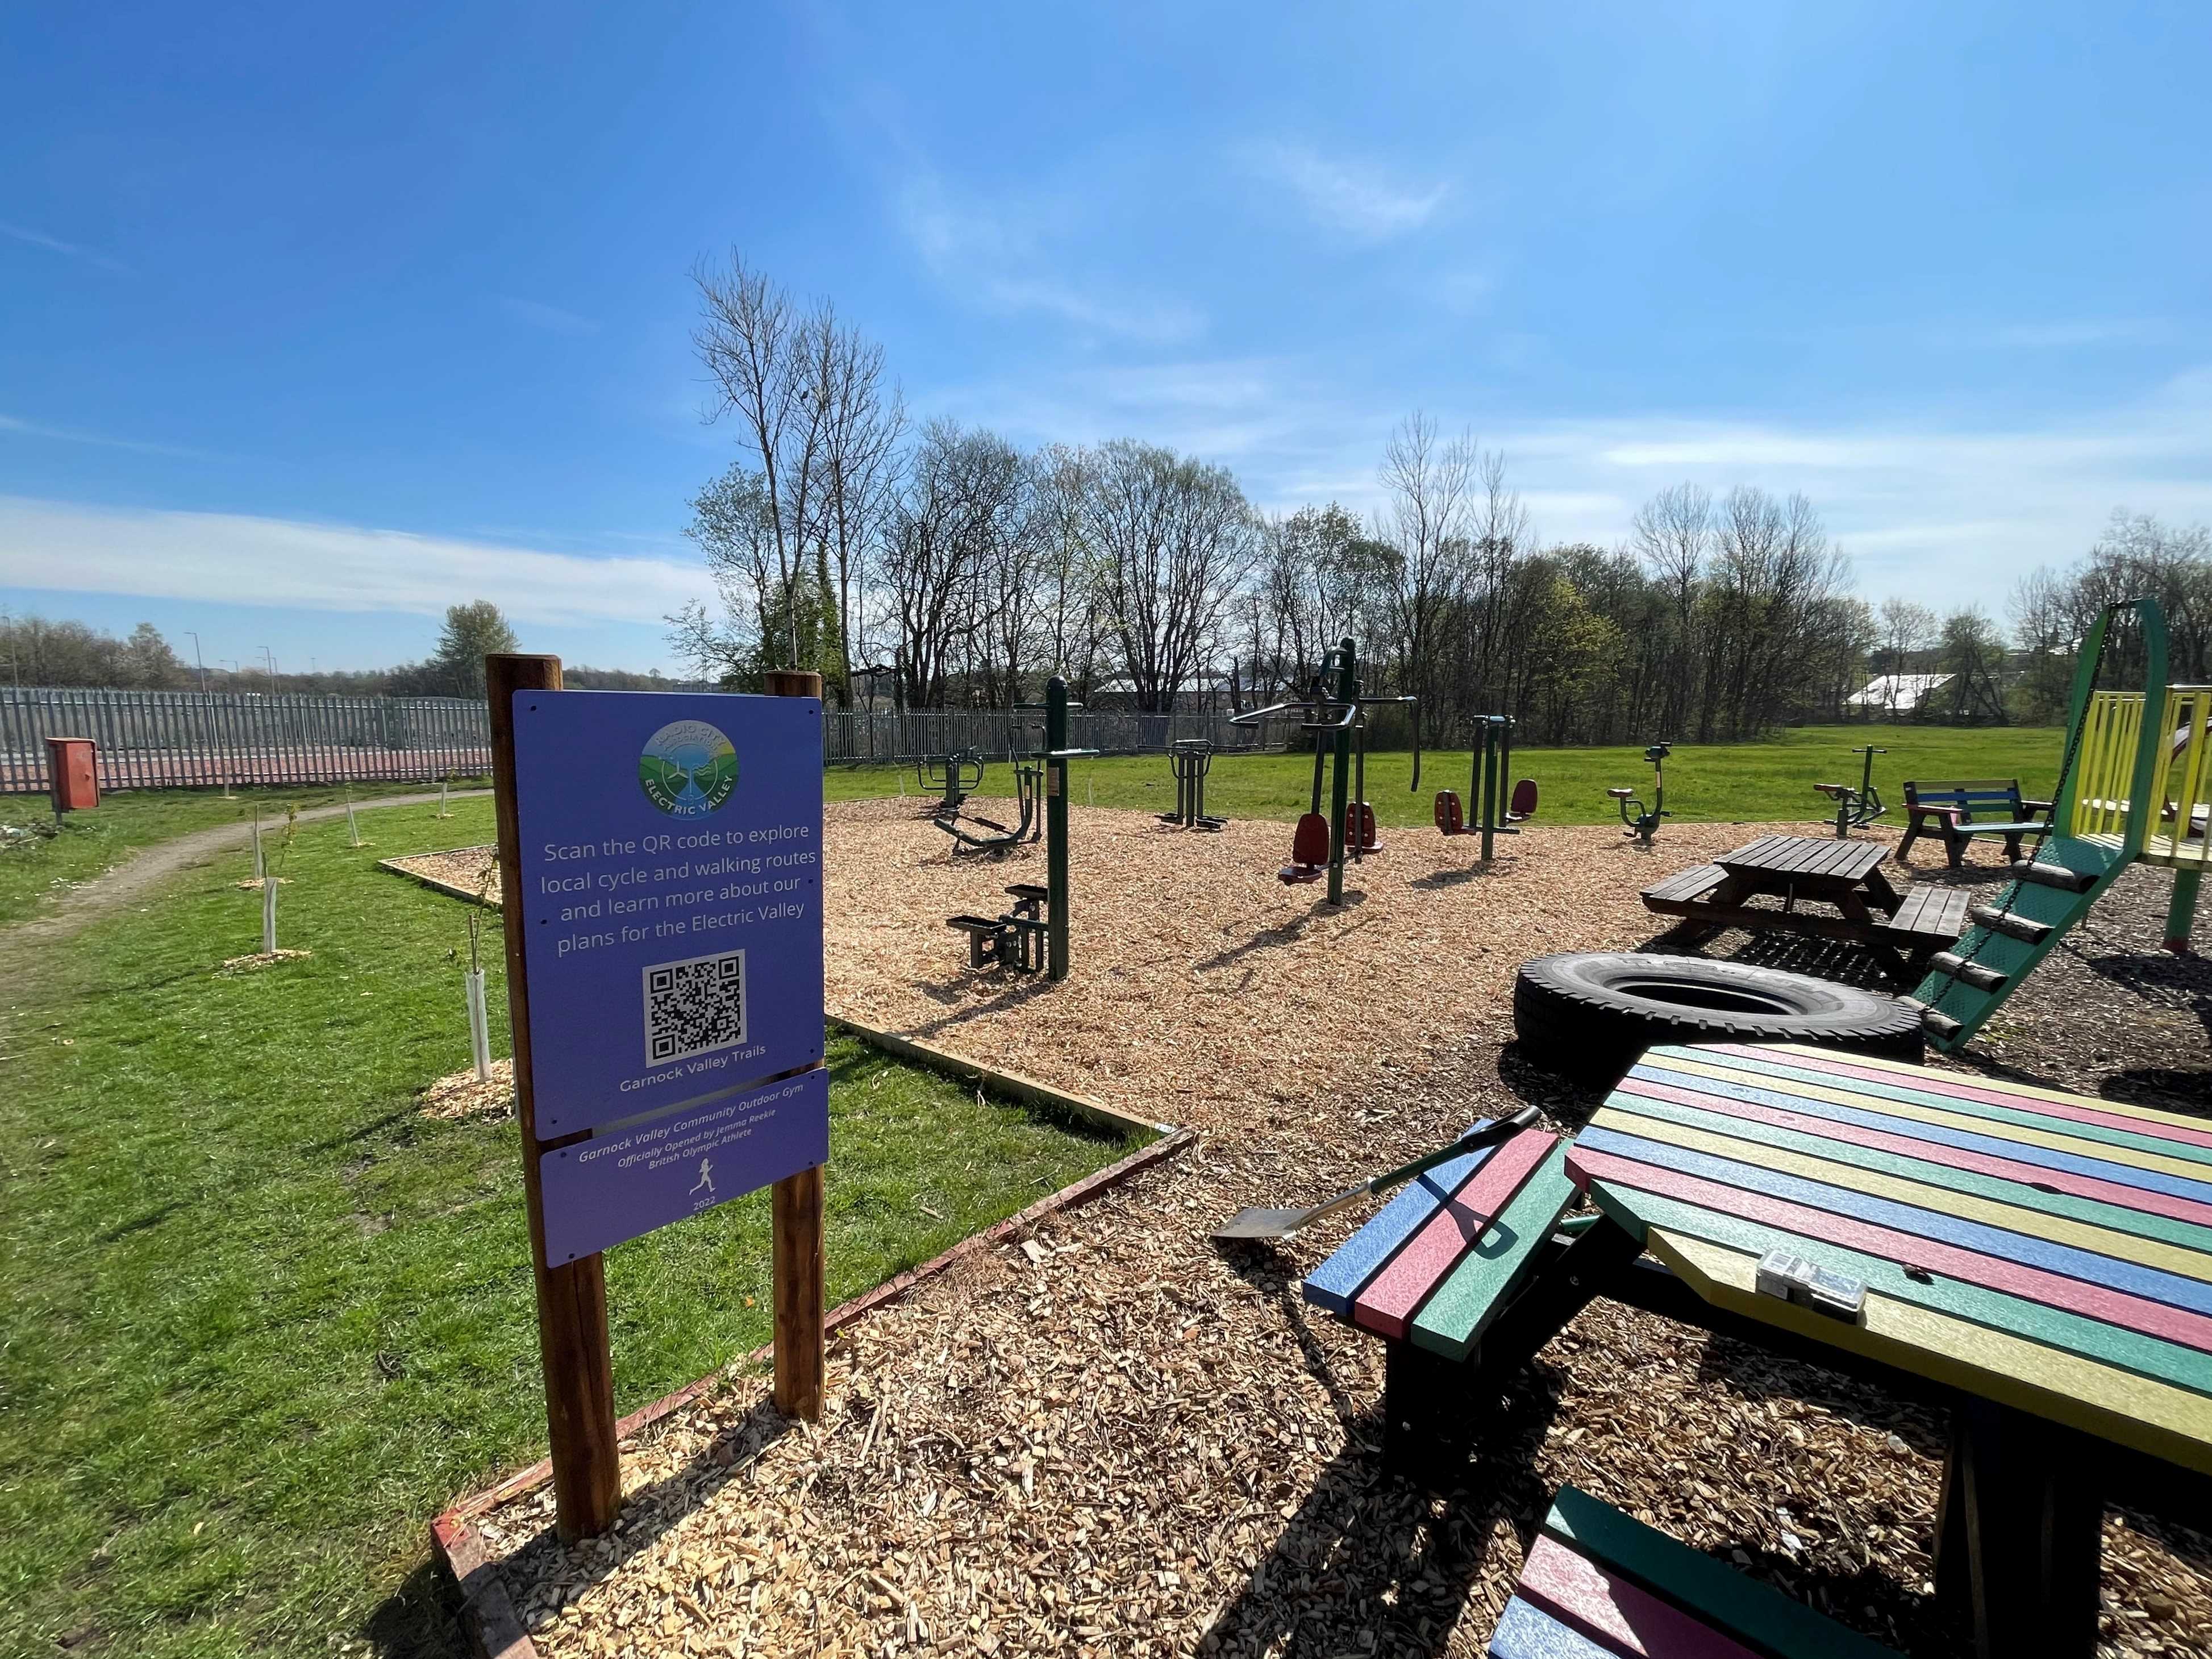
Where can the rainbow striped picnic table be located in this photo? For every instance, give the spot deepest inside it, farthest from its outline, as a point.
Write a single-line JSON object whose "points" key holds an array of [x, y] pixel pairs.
{"points": [[2043, 1259]]}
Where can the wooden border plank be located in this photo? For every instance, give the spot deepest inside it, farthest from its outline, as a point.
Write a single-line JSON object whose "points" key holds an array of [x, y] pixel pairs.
{"points": [[1927, 1255], [1387, 1304], [1016, 1085], [1913, 1221], [1454, 1319], [2021, 1210]]}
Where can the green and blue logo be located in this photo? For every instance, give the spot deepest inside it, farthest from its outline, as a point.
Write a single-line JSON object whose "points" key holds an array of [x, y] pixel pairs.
{"points": [[688, 769]]}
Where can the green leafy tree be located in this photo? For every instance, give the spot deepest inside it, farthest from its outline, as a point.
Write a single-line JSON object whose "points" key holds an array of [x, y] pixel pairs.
{"points": [[471, 632]]}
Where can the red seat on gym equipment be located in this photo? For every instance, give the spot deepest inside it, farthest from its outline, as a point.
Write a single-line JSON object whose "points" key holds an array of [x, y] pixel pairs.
{"points": [[1522, 807], [1449, 818], [1308, 849], [1359, 827]]}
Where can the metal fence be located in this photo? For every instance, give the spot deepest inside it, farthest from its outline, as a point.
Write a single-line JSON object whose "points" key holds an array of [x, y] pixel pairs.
{"points": [[859, 739], [182, 740]]}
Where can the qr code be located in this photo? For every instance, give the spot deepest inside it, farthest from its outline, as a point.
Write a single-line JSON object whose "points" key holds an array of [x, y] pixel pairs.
{"points": [[694, 1008]]}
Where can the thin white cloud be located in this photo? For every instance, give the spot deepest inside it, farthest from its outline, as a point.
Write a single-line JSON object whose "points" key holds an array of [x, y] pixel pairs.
{"points": [[996, 257], [2063, 336], [237, 559], [10, 424], [54, 245], [551, 319], [1947, 513], [1352, 196]]}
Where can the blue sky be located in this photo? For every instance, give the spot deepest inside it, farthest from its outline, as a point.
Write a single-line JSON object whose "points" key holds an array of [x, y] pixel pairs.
{"points": [[308, 326]]}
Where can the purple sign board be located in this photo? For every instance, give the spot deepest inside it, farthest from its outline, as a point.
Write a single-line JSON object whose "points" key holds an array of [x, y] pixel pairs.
{"points": [[672, 899], [632, 1179]]}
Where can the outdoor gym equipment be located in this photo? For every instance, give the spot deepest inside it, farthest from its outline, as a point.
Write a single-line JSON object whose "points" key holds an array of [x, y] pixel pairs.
{"points": [[1855, 808], [955, 777], [1644, 826], [1494, 755], [1029, 778], [1191, 759], [1267, 1226], [1023, 939], [1016, 939], [1332, 705], [2133, 787]]}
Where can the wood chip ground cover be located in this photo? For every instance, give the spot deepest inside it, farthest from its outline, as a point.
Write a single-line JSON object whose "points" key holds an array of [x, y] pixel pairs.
{"points": [[1108, 1438]]}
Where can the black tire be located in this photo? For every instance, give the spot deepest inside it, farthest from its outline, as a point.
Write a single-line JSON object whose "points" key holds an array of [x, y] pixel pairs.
{"points": [[1588, 1014]]}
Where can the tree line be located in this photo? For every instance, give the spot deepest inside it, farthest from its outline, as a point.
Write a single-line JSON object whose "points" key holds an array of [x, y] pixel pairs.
{"points": [[34, 651], [937, 564]]}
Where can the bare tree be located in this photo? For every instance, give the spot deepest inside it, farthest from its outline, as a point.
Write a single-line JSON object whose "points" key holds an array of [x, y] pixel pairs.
{"points": [[1674, 536], [1429, 486], [854, 433], [1175, 538], [756, 348]]}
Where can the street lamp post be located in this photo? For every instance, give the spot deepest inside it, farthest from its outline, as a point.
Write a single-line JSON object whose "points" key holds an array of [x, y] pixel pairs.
{"points": [[198, 662]]}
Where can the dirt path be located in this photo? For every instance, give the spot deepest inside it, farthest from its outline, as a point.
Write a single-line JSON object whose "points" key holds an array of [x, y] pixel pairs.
{"points": [[150, 867]]}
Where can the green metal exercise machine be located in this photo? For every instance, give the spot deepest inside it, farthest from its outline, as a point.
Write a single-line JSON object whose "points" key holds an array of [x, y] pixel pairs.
{"points": [[1491, 762], [1333, 707], [1191, 759], [1855, 808], [1644, 826], [1034, 933]]}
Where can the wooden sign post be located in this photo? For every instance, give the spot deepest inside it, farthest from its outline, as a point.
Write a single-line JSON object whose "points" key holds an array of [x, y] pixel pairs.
{"points": [[630, 1116], [800, 1264]]}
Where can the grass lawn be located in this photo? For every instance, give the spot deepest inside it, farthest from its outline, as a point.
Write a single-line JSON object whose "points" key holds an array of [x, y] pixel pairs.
{"points": [[263, 1318], [1728, 783], [88, 842]]}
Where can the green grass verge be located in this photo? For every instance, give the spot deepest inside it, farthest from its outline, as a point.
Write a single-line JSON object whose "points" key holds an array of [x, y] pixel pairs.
{"points": [[262, 1318], [1725, 783], [88, 842]]}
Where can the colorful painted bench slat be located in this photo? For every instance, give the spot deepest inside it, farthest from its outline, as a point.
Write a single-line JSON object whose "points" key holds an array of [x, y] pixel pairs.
{"points": [[1598, 1582], [2047, 1252], [1337, 1280], [1387, 1303], [1765, 1172], [2182, 1147], [1657, 1103], [2054, 1151], [2094, 1339], [2038, 1176], [1453, 1320], [1926, 1255]]}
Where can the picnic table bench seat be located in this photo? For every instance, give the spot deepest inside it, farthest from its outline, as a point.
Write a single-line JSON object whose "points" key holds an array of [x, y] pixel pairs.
{"points": [[1955, 812], [1671, 895], [1931, 918], [1600, 1584], [1430, 1272]]}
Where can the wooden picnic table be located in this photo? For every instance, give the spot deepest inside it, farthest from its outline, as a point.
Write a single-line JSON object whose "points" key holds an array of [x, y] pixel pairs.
{"points": [[2043, 1260], [1844, 876]]}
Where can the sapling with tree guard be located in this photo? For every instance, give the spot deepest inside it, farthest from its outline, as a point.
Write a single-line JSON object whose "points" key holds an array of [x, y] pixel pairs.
{"points": [[479, 1022]]}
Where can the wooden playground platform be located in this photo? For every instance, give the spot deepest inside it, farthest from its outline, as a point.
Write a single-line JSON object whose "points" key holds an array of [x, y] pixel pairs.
{"points": [[1109, 1438]]}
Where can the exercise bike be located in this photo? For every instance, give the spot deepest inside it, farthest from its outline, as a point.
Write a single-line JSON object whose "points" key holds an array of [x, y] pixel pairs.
{"points": [[1855, 808], [1643, 825]]}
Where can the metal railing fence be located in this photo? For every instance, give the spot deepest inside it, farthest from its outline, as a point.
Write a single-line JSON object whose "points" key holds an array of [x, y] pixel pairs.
{"points": [[185, 739]]}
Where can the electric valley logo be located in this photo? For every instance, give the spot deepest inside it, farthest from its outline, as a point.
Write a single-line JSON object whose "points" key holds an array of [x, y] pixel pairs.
{"points": [[688, 769]]}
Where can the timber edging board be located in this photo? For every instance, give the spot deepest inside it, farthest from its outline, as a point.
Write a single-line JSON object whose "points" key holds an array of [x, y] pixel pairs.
{"points": [[1026, 1090], [488, 1615], [452, 890]]}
